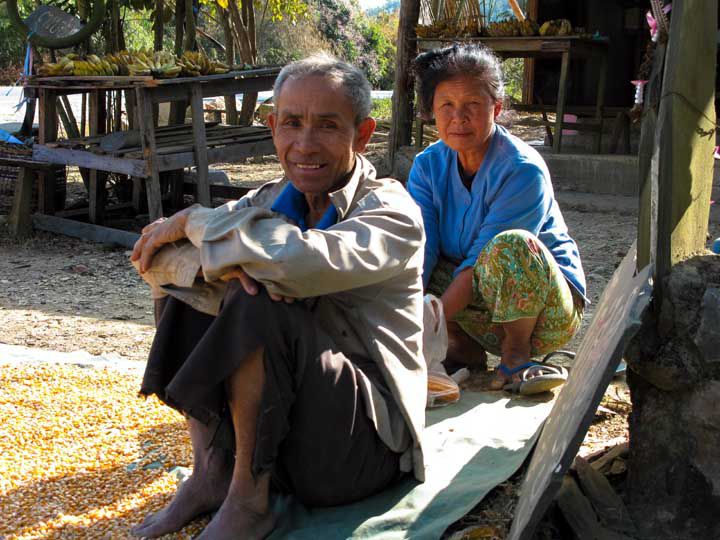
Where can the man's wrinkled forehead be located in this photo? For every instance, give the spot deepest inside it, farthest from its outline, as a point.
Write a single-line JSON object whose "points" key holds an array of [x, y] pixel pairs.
{"points": [[299, 94]]}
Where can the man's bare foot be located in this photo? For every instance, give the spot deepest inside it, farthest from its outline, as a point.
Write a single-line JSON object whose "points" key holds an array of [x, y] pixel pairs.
{"points": [[239, 519], [199, 494], [463, 350]]}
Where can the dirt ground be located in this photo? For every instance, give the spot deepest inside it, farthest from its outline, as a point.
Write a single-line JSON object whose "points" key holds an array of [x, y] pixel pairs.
{"points": [[63, 294]]}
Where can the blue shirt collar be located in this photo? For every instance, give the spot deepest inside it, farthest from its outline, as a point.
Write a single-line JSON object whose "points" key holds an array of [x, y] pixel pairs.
{"points": [[292, 204]]}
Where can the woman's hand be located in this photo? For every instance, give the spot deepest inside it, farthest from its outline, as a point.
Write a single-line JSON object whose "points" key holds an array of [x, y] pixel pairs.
{"points": [[157, 234], [251, 286]]}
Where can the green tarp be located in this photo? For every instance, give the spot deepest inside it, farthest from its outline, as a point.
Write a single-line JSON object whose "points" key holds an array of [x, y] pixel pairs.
{"points": [[470, 447]]}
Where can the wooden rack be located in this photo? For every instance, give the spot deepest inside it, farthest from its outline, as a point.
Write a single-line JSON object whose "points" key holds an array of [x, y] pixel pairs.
{"points": [[146, 151]]}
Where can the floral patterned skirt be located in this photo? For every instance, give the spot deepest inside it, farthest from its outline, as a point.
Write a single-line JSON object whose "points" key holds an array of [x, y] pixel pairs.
{"points": [[515, 277]]}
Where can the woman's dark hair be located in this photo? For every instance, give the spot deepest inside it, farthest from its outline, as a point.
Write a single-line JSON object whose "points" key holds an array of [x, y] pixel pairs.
{"points": [[474, 60]]}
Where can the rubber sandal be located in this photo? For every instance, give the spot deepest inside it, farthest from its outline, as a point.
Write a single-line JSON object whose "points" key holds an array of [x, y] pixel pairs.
{"points": [[535, 378]]}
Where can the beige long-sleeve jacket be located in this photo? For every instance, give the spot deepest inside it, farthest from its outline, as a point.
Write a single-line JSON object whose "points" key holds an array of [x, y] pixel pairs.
{"points": [[362, 278]]}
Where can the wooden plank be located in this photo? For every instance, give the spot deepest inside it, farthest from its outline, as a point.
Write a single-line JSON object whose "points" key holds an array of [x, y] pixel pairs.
{"points": [[402, 100], [211, 88], [89, 160], [617, 318], [222, 192], [580, 110], [579, 514], [200, 145], [85, 211], [85, 231], [607, 504], [602, 464], [147, 136], [232, 153], [20, 221], [29, 163]]}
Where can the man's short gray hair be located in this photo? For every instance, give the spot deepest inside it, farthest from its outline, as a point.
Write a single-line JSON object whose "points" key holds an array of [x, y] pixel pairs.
{"points": [[357, 88]]}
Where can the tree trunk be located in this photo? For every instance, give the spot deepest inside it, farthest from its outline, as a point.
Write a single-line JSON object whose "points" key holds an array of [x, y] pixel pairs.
{"points": [[674, 376], [177, 108], [158, 26], [189, 25], [231, 113], [403, 96], [243, 23]]}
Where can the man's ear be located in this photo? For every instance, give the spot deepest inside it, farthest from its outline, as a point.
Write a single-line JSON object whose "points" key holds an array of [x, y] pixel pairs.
{"points": [[363, 133], [272, 119]]}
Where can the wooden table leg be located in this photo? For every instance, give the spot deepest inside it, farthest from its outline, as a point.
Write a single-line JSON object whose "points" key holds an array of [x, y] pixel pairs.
{"points": [[560, 110], [47, 133], [97, 196], [147, 138], [201, 159], [97, 179], [600, 103], [20, 220]]}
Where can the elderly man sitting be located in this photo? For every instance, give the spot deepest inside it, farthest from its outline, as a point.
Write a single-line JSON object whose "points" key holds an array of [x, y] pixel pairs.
{"points": [[309, 377]]}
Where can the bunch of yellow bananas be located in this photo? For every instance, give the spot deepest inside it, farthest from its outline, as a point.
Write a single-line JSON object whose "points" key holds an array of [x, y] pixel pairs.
{"points": [[529, 28], [72, 64], [556, 27], [194, 64], [505, 28], [161, 64]]}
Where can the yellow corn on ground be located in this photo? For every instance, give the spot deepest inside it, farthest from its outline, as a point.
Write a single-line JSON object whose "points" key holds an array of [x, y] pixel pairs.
{"points": [[82, 456]]}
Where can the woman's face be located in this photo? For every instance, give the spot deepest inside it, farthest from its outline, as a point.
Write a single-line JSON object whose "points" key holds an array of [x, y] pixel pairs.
{"points": [[464, 113]]}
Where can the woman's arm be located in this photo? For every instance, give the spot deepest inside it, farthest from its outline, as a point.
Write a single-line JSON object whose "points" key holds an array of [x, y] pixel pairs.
{"points": [[458, 295]]}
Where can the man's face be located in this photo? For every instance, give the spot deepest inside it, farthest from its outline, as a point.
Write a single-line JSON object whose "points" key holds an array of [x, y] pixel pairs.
{"points": [[315, 135]]}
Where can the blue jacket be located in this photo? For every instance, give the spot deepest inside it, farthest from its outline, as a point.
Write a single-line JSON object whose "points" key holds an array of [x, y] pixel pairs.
{"points": [[511, 190]]}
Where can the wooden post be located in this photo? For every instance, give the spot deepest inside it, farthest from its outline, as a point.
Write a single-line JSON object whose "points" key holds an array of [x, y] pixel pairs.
{"points": [[147, 135], [48, 133], [201, 158], [403, 96], [560, 108], [647, 154], [685, 137], [600, 101], [96, 189]]}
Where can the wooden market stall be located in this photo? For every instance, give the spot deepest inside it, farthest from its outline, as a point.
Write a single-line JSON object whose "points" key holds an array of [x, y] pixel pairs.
{"points": [[608, 30], [147, 151]]}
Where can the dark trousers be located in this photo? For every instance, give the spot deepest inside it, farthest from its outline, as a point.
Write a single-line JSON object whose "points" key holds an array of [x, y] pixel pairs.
{"points": [[313, 432]]}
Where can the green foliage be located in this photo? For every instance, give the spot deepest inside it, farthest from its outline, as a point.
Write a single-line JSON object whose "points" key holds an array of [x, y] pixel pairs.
{"points": [[381, 109], [367, 42], [513, 70], [12, 46]]}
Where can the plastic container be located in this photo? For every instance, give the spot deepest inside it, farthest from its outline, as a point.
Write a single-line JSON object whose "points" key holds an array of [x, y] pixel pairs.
{"points": [[442, 390], [716, 246]]}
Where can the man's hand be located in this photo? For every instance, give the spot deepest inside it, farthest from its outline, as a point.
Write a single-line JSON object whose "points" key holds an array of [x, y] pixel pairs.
{"points": [[157, 234], [251, 286]]}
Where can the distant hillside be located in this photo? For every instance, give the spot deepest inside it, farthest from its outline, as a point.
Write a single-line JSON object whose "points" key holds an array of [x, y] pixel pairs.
{"points": [[389, 6], [496, 9]]}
